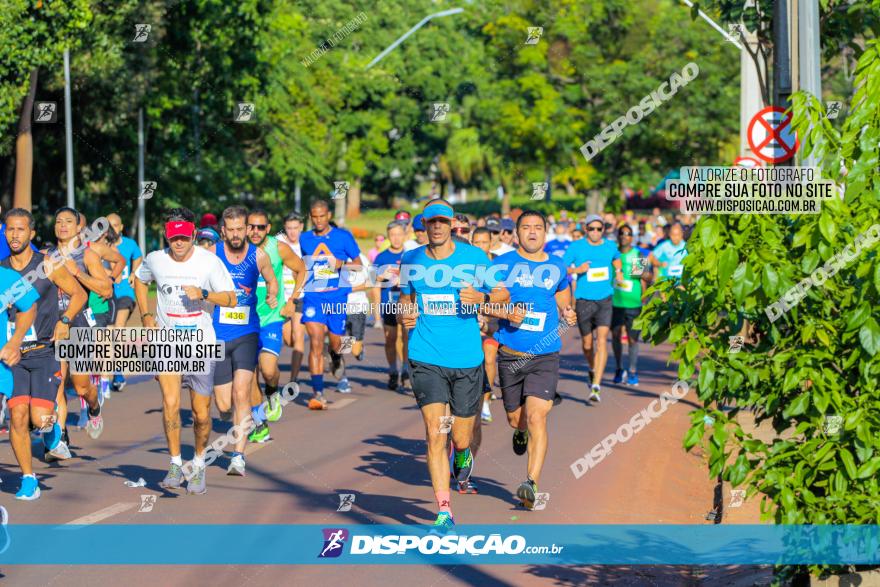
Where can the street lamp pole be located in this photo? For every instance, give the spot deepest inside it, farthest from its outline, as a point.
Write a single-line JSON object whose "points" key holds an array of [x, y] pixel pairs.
{"points": [[394, 45]]}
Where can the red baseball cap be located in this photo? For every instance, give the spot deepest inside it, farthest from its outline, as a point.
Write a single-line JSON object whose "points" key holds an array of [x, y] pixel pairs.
{"points": [[179, 228], [208, 219], [402, 215]]}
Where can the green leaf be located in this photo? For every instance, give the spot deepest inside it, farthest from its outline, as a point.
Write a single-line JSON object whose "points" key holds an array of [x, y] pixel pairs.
{"points": [[726, 266], [848, 462], [827, 226], [769, 280], [691, 349], [797, 406], [869, 468], [869, 336], [738, 471], [693, 436]]}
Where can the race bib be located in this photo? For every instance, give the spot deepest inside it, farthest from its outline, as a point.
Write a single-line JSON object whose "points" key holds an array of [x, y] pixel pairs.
{"points": [[90, 317], [598, 274], [239, 315], [31, 335], [534, 321], [676, 270], [325, 268], [125, 273], [289, 286], [625, 285], [439, 304]]}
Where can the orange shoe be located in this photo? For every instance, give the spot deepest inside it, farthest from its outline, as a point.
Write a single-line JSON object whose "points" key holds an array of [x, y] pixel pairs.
{"points": [[318, 403]]}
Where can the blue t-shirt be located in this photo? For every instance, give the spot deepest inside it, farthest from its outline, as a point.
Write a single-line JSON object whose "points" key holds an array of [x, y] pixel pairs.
{"points": [[384, 260], [596, 283], [535, 284], [320, 253], [556, 248], [24, 296], [666, 252], [231, 323], [447, 334], [129, 251]]}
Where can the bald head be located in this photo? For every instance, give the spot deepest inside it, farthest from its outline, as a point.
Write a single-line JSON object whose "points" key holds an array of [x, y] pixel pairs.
{"points": [[116, 222]]}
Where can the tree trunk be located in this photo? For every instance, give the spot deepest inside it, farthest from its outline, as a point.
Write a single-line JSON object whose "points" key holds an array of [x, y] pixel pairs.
{"points": [[353, 201], [339, 212], [569, 189], [594, 202], [24, 150]]}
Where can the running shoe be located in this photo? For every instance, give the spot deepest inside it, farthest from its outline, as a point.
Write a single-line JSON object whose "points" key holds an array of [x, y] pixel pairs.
{"points": [[318, 402], [594, 392], [443, 524], [30, 489], [526, 492], [236, 466], [61, 452], [618, 376], [95, 425], [557, 399], [466, 487], [174, 479], [274, 409], [196, 484], [486, 416], [633, 379], [118, 383], [343, 386], [260, 434], [337, 365], [392, 381], [463, 465], [520, 441], [65, 438], [2, 410], [4, 533], [360, 355]]}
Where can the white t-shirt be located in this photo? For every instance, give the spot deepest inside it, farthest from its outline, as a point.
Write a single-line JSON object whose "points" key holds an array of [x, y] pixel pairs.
{"points": [[288, 277], [410, 244], [358, 303], [203, 269], [502, 249]]}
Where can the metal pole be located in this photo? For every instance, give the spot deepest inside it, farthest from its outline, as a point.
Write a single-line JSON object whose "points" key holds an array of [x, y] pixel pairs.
{"points": [[781, 59], [68, 129], [297, 197], [705, 17], [394, 45], [808, 49], [142, 230]]}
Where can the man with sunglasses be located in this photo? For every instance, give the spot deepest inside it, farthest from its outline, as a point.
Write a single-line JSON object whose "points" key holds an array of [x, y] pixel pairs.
{"points": [[188, 278], [498, 247], [593, 261], [271, 319], [445, 351], [627, 305]]}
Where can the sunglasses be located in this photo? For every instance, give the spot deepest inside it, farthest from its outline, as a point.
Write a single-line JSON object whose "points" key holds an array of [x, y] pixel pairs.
{"points": [[629, 234], [258, 226], [462, 230], [595, 229]]}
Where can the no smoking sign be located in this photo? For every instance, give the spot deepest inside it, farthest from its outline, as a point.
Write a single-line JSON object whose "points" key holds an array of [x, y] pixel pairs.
{"points": [[771, 137]]}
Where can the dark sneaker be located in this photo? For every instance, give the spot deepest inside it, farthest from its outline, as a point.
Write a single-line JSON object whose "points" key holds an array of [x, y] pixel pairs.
{"points": [[526, 493], [392, 381], [618, 376], [466, 487], [174, 479], [444, 524], [520, 441]]}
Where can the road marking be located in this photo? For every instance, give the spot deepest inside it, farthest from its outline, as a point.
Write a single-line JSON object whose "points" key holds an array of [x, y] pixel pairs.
{"points": [[107, 512], [341, 403]]}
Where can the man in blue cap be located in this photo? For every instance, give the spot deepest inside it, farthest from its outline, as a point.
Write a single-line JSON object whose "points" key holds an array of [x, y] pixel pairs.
{"points": [[441, 294], [419, 234]]}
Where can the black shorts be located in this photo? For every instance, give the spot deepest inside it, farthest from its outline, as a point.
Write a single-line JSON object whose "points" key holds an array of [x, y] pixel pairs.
{"points": [[298, 306], [106, 319], [389, 320], [462, 389], [592, 314], [355, 324], [520, 377], [35, 378], [123, 303], [241, 355], [626, 317]]}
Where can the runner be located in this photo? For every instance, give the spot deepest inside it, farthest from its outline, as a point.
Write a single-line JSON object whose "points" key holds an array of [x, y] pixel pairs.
{"points": [[357, 308], [669, 254], [591, 260], [419, 232], [30, 351], [559, 241], [627, 305], [528, 365], [187, 279], [123, 290], [239, 326], [482, 239], [388, 277], [294, 331], [325, 250], [271, 319], [445, 355], [84, 262], [498, 246]]}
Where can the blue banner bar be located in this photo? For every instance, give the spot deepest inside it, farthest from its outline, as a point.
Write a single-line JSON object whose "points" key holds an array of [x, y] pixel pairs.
{"points": [[206, 544]]}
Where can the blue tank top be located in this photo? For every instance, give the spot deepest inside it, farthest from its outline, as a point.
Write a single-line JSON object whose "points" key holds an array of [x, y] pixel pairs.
{"points": [[232, 323]]}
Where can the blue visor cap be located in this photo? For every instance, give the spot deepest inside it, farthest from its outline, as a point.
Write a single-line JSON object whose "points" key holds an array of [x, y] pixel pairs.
{"points": [[438, 210], [417, 223]]}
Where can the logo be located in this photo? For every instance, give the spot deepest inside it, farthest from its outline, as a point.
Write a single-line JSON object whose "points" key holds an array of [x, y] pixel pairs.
{"points": [[446, 424], [47, 422], [441, 109], [310, 312], [832, 424], [141, 33], [736, 30], [244, 112], [541, 500], [148, 188], [639, 264], [346, 500], [737, 497], [45, 112], [340, 190], [534, 35], [347, 343], [548, 283], [147, 503], [736, 343], [334, 540], [832, 109], [539, 190], [247, 290]]}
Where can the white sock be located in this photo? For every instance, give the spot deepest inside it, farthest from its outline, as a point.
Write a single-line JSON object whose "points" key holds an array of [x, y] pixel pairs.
{"points": [[176, 460], [199, 461]]}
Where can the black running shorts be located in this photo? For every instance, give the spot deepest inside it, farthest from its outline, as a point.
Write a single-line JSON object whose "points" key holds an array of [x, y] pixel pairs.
{"points": [[592, 314], [520, 377], [241, 354], [462, 389]]}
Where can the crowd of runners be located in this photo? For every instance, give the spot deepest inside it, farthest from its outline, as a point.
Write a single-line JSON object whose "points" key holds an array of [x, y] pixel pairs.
{"points": [[471, 309]]}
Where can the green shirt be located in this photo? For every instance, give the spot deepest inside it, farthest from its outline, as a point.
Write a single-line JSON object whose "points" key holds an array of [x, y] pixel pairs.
{"points": [[268, 315], [629, 293]]}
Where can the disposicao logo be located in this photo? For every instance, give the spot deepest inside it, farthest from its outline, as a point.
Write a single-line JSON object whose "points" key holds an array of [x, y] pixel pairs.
{"points": [[334, 541]]}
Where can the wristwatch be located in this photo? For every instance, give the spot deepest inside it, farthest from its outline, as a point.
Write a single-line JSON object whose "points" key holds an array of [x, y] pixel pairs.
{"points": [[486, 298], [65, 320], [204, 294]]}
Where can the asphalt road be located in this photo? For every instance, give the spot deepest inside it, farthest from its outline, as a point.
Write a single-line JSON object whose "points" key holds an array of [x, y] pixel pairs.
{"points": [[371, 443]]}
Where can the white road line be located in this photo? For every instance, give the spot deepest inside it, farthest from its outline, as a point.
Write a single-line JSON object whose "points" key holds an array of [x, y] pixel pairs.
{"points": [[107, 512], [341, 403]]}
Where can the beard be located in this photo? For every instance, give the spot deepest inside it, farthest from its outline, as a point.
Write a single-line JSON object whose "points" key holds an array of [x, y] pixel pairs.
{"points": [[236, 245], [20, 248]]}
